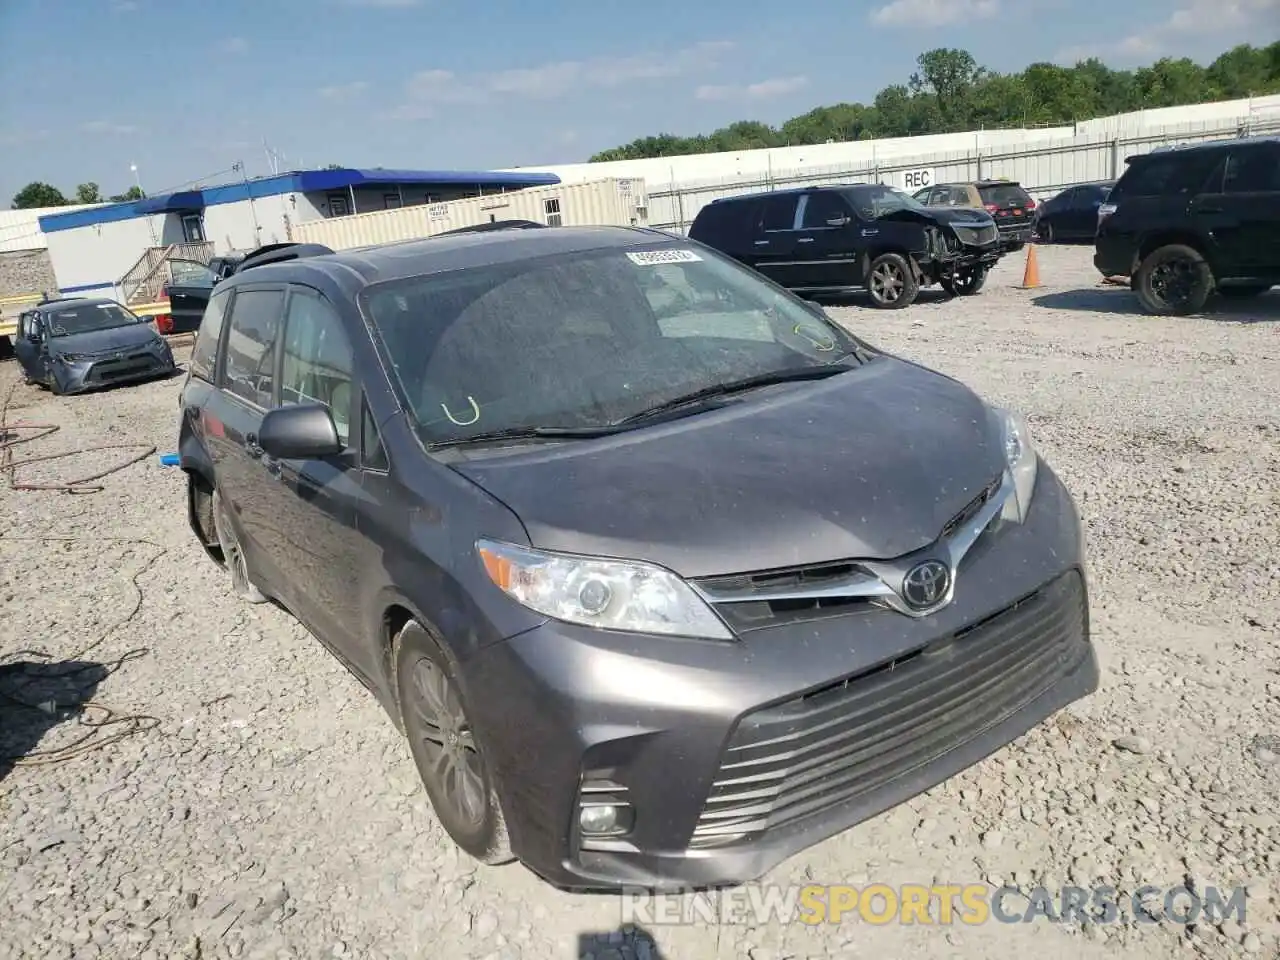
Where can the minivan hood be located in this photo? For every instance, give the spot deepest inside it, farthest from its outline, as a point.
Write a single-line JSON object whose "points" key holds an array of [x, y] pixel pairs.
{"points": [[100, 341], [869, 464]]}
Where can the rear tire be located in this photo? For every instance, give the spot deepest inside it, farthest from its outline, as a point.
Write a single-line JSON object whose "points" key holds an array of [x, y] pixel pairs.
{"points": [[967, 283], [234, 560], [1173, 280], [449, 758], [891, 283]]}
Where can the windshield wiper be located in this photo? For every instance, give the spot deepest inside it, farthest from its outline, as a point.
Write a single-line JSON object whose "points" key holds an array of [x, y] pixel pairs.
{"points": [[718, 390], [524, 433]]}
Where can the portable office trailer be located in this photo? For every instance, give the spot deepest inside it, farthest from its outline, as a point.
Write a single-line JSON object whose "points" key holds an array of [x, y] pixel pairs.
{"points": [[612, 201]]}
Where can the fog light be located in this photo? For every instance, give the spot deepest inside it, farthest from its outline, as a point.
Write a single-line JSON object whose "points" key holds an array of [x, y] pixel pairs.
{"points": [[599, 820]]}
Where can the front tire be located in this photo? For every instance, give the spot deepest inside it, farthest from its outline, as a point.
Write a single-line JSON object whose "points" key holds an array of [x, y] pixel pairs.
{"points": [[449, 758], [891, 283], [233, 553], [1044, 230], [1173, 280]]}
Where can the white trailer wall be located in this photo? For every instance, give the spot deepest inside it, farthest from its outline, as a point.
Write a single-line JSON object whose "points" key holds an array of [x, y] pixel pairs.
{"points": [[246, 224], [91, 259], [610, 201]]}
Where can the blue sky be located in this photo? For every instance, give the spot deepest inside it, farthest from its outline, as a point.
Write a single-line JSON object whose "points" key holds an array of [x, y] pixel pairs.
{"points": [[185, 88]]}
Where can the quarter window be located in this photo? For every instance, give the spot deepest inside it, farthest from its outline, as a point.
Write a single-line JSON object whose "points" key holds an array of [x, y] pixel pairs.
{"points": [[317, 361], [204, 355], [373, 455], [250, 365], [1252, 171]]}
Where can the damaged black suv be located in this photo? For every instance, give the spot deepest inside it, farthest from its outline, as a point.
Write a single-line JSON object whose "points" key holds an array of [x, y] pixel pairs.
{"points": [[835, 239]]}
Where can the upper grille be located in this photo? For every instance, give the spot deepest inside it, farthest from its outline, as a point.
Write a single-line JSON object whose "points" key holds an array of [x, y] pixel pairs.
{"points": [[791, 761], [977, 236], [752, 607]]}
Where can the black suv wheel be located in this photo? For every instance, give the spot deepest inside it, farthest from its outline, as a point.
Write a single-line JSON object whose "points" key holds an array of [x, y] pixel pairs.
{"points": [[891, 282], [1173, 280]]}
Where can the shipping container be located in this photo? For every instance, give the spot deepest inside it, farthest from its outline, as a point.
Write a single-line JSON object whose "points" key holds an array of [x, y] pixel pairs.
{"points": [[610, 202]]}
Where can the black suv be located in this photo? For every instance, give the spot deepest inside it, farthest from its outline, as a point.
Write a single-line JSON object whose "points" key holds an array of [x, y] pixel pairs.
{"points": [[830, 240], [1186, 222]]}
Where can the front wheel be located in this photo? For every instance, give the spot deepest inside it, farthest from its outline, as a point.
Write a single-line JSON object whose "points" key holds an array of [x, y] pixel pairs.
{"points": [[966, 283], [449, 758], [892, 284], [1044, 230], [1173, 280]]}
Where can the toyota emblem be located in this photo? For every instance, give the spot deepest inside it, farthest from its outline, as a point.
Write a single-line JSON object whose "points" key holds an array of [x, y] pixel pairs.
{"points": [[926, 584]]}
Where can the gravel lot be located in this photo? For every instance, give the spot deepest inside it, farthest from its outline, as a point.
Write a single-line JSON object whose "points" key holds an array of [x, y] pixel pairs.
{"points": [[270, 810]]}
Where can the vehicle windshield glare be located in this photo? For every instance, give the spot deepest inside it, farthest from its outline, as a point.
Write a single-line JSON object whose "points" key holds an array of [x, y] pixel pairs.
{"points": [[68, 321], [585, 340], [876, 201], [191, 273]]}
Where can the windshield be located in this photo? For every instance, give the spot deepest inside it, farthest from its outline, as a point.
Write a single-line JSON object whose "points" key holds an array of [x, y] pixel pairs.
{"points": [[876, 201], [191, 273], [68, 321], [585, 340]]}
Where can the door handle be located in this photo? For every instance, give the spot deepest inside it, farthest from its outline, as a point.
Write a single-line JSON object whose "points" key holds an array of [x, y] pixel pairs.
{"points": [[1208, 209], [805, 240], [251, 446], [762, 243]]}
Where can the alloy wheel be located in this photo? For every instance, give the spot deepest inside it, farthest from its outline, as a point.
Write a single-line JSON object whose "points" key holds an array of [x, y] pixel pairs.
{"points": [[448, 744], [887, 282]]}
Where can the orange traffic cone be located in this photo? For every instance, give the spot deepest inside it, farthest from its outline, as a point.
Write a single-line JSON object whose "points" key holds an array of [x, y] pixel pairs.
{"points": [[1031, 274]]}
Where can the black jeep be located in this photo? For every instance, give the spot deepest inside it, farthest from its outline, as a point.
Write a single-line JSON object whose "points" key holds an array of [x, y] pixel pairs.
{"points": [[831, 240], [1186, 222]]}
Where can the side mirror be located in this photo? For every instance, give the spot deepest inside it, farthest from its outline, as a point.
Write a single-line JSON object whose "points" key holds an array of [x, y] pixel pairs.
{"points": [[299, 432]]}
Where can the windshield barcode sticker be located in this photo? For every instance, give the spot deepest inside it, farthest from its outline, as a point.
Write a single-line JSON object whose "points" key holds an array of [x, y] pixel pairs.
{"points": [[649, 258]]}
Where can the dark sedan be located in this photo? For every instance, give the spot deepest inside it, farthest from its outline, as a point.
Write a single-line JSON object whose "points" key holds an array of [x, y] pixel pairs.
{"points": [[1072, 214], [76, 344], [664, 574]]}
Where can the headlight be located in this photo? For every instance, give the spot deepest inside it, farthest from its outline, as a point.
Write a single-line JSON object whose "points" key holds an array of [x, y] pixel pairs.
{"points": [[1021, 458], [595, 592]]}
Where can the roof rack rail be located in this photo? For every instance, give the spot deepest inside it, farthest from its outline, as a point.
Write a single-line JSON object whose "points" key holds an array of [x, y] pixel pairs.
{"points": [[495, 225], [280, 252]]}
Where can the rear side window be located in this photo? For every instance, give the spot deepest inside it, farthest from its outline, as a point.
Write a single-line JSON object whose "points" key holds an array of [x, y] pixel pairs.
{"points": [[1252, 171], [1166, 175], [250, 365], [1004, 195], [204, 355], [780, 212], [821, 207]]}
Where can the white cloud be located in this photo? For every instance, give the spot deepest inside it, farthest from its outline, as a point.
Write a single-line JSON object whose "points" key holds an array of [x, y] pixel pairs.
{"points": [[924, 14], [429, 88], [235, 46], [109, 127], [764, 90], [344, 91], [1194, 18]]}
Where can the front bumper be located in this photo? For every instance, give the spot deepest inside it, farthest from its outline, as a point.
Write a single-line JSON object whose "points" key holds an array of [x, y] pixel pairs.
{"points": [[129, 366], [736, 756]]}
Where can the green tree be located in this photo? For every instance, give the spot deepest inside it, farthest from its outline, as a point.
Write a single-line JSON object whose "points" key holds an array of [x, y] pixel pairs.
{"points": [[133, 193], [950, 91], [88, 193], [37, 194]]}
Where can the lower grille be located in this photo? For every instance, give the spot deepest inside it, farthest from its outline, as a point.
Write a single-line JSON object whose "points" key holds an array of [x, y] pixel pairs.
{"points": [[130, 366], [805, 756]]}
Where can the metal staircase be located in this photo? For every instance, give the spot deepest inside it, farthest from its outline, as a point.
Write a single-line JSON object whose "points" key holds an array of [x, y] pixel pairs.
{"points": [[144, 280]]}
